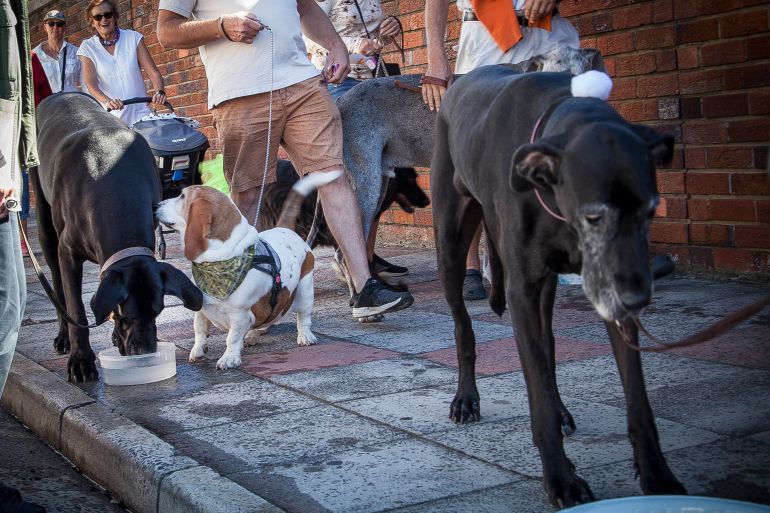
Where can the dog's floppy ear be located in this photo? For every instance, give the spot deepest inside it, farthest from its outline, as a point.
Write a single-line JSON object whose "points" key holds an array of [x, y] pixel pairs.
{"points": [[198, 228], [595, 59], [176, 283], [661, 145], [111, 292], [535, 164]]}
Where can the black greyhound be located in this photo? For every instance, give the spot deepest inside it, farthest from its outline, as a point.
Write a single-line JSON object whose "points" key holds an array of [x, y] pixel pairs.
{"points": [[562, 184]]}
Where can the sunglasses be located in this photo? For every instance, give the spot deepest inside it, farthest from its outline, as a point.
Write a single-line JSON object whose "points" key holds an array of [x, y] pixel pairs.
{"points": [[58, 24], [107, 16]]}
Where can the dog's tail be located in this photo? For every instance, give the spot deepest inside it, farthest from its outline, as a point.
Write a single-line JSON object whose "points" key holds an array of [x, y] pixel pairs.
{"points": [[293, 204]]}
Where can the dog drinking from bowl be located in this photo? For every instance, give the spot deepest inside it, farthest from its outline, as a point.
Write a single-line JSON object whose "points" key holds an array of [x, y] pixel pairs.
{"points": [[250, 279]]}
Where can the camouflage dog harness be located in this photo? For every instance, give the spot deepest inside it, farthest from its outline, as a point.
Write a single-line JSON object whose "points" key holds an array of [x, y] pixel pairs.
{"points": [[220, 279]]}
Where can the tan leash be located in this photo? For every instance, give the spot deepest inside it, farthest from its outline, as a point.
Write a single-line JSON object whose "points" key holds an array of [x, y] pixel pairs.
{"points": [[700, 337]]}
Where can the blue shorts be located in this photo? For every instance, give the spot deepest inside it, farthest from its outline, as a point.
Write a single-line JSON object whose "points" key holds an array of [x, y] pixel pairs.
{"points": [[337, 90]]}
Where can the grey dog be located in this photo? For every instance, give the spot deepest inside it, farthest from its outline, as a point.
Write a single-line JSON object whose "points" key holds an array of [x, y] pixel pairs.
{"points": [[385, 126]]}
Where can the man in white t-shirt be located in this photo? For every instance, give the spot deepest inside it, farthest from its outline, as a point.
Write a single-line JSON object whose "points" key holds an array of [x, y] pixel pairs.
{"points": [[248, 54]]}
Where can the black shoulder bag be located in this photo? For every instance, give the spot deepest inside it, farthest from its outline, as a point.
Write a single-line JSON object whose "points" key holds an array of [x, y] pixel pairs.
{"points": [[63, 66], [384, 69]]}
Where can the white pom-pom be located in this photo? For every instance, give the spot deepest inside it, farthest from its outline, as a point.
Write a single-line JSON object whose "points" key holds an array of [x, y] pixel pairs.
{"points": [[593, 84]]}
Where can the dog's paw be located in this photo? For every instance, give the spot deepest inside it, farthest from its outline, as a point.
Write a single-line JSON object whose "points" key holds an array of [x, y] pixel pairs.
{"points": [[229, 361], [567, 490], [82, 367], [197, 352], [252, 337], [465, 409], [61, 344], [306, 339]]}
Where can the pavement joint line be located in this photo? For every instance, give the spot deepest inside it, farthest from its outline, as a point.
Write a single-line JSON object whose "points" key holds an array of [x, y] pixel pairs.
{"points": [[61, 417], [411, 434]]}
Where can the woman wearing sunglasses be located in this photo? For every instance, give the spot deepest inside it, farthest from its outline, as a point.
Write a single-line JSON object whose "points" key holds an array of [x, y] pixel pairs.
{"points": [[113, 61], [58, 57]]}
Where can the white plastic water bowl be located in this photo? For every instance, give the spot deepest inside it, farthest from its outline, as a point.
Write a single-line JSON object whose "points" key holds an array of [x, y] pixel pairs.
{"points": [[138, 369], [668, 504]]}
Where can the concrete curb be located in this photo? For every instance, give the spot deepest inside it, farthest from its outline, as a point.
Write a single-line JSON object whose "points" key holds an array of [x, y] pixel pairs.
{"points": [[132, 463]]}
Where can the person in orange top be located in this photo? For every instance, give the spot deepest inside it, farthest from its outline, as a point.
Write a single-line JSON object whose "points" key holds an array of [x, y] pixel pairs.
{"points": [[492, 32]]}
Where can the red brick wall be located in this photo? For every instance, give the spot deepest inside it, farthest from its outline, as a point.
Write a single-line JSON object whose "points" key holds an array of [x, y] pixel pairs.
{"points": [[697, 68]]}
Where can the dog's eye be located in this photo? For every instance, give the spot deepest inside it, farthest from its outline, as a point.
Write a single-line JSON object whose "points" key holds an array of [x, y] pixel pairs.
{"points": [[593, 219], [181, 196]]}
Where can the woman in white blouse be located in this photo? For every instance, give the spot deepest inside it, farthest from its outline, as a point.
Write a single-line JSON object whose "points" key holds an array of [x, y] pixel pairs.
{"points": [[111, 62], [55, 53], [364, 38]]}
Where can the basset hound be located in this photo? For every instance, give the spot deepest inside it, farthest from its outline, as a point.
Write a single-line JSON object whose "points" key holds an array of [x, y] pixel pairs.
{"points": [[249, 279]]}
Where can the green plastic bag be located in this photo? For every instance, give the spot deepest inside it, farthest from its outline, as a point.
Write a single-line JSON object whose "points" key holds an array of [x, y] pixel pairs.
{"points": [[213, 174]]}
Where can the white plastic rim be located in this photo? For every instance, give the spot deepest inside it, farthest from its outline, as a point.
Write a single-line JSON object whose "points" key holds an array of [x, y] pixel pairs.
{"points": [[669, 504], [138, 369]]}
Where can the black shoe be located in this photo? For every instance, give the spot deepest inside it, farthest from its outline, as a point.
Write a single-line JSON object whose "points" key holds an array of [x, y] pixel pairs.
{"points": [[662, 266], [375, 299], [10, 502], [384, 268], [473, 288]]}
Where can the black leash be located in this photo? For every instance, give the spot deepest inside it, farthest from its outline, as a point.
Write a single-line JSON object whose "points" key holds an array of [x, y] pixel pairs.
{"points": [[49, 290]]}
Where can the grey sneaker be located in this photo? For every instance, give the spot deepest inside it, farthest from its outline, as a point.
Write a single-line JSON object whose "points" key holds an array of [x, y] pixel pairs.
{"points": [[473, 287], [376, 298]]}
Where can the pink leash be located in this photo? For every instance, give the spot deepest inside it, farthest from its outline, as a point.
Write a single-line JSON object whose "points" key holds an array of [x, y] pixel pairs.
{"points": [[537, 192]]}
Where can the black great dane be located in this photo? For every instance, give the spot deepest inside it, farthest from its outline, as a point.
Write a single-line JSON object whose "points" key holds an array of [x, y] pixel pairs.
{"points": [[97, 188], [503, 140]]}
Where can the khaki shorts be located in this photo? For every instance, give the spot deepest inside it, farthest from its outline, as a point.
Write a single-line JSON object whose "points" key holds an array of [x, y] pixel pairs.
{"points": [[305, 121]]}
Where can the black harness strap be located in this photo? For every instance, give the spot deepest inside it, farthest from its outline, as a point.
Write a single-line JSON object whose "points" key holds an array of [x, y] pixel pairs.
{"points": [[268, 263]]}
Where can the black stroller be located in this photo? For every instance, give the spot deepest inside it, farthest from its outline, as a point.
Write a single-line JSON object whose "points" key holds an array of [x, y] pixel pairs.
{"points": [[178, 149]]}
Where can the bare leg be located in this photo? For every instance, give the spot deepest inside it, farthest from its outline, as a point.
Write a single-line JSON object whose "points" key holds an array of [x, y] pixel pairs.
{"points": [[372, 240], [473, 261], [343, 217], [246, 201]]}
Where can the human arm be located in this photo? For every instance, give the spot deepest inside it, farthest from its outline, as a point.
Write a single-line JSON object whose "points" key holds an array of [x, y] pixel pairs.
{"points": [[317, 26], [177, 31], [90, 80], [148, 65], [536, 9], [436, 12]]}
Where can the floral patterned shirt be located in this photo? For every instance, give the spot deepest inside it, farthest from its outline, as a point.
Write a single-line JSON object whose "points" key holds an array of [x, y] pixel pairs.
{"points": [[347, 22]]}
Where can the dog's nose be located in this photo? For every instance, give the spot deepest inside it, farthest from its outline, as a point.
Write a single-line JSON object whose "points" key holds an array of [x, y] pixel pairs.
{"points": [[634, 300]]}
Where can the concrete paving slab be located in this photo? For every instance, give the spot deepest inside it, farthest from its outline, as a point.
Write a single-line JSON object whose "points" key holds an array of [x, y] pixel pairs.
{"points": [[502, 397], [223, 404], [737, 405], [729, 468], [434, 337], [283, 438], [525, 496], [391, 475], [597, 379], [601, 438], [369, 379]]}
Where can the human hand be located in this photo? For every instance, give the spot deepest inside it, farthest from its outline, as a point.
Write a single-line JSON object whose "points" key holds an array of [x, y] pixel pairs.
{"points": [[368, 47], [241, 27], [389, 27], [5, 193], [432, 94], [114, 104], [159, 98], [536, 9], [337, 65]]}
